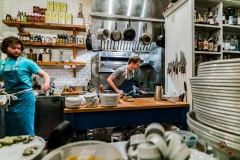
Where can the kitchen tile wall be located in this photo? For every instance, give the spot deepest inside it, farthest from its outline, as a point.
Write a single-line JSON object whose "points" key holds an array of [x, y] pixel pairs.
{"points": [[62, 75]]}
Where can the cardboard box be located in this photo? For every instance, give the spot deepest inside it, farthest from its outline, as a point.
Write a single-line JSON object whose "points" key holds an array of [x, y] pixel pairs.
{"points": [[78, 21], [50, 5], [62, 18], [56, 6], [55, 17], [63, 7], [68, 18], [48, 16]]}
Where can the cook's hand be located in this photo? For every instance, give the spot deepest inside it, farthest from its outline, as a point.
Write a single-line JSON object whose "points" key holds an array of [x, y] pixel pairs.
{"points": [[45, 87], [120, 92]]}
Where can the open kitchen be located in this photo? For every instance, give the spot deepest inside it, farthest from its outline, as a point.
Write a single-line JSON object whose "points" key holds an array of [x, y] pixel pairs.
{"points": [[119, 79]]}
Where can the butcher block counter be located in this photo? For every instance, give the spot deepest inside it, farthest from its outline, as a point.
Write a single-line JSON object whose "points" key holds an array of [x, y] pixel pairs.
{"points": [[140, 111]]}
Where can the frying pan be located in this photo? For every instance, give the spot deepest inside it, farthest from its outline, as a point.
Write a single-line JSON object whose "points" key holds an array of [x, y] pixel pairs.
{"points": [[129, 33], [116, 35], [89, 41], [103, 33], [145, 38], [161, 39]]}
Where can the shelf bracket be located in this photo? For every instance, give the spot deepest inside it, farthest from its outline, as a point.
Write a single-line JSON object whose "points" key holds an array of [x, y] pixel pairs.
{"points": [[20, 30]]}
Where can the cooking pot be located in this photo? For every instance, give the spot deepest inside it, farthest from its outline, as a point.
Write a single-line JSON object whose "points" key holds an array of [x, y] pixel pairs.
{"points": [[161, 39], [103, 33], [116, 35], [145, 38], [129, 33]]}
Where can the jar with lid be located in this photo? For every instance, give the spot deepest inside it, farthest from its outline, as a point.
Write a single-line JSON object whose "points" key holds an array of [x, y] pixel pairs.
{"points": [[54, 40]]}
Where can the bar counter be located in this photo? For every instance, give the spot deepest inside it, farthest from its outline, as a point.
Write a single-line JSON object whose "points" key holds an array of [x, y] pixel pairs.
{"points": [[140, 111]]}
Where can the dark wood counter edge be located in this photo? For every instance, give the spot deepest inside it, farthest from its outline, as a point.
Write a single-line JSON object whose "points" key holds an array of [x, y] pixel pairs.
{"points": [[119, 108]]}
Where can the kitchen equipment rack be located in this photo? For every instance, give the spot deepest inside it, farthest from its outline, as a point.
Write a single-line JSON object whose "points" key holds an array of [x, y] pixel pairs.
{"points": [[74, 28]]}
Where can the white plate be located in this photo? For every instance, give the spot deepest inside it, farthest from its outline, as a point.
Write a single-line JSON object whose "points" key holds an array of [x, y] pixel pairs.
{"points": [[130, 100], [196, 155], [15, 151], [73, 98]]}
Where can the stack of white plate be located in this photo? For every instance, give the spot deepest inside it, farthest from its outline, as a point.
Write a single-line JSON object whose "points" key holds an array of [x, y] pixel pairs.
{"points": [[216, 107], [109, 100], [72, 102], [55, 56]]}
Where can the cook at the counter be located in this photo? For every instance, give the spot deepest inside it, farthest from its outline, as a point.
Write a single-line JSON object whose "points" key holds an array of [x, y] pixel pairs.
{"points": [[122, 79], [16, 72]]}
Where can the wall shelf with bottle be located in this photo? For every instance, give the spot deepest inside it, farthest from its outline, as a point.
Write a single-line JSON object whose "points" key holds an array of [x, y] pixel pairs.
{"points": [[61, 63], [74, 28], [206, 52], [45, 44]]}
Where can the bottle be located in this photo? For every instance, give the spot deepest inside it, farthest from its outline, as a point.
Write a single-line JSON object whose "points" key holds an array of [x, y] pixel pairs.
{"points": [[230, 16], [236, 42], [216, 19], [195, 20], [195, 42], [215, 44], [232, 43], [238, 20], [205, 42], [101, 88], [235, 17], [224, 17], [205, 19], [210, 16], [24, 17], [200, 42], [19, 16], [200, 19], [210, 44], [227, 43]]}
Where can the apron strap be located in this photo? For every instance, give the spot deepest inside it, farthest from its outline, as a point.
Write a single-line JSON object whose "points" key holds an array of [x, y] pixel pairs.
{"points": [[126, 74], [9, 96], [15, 66]]}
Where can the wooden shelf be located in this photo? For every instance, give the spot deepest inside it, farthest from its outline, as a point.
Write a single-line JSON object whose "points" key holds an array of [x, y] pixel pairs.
{"points": [[61, 63], [44, 25], [44, 44]]}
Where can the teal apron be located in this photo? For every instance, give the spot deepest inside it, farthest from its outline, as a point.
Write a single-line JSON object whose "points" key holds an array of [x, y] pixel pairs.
{"points": [[127, 84], [19, 117]]}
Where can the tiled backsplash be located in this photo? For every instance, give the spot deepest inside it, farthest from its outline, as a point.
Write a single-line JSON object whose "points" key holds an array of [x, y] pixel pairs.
{"points": [[62, 75]]}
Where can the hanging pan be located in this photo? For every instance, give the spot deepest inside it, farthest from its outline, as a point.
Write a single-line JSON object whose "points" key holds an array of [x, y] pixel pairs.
{"points": [[145, 38], [116, 35], [129, 33], [103, 33], [89, 41]]}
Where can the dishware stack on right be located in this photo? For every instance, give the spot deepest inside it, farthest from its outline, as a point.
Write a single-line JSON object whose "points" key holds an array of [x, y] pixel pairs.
{"points": [[216, 110]]}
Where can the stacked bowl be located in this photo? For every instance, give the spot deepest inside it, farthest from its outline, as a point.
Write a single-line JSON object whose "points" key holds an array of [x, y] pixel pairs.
{"points": [[72, 102], [216, 115]]}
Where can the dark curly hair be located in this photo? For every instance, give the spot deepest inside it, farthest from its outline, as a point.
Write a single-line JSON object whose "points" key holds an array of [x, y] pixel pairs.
{"points": [[134, 59], [10, 40]]}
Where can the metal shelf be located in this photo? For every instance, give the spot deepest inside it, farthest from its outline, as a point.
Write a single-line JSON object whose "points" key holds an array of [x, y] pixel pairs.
{"points": [[231, 28], [236, 52], [206, 52], [206, 27]]}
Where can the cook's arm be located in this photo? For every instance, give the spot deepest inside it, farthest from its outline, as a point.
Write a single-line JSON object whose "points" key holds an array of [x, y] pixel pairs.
{"points": [[46, 86], [111, 83]]}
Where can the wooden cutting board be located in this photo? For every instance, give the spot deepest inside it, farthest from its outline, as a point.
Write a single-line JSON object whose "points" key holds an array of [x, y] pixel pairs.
{"points": [[71, 93]]}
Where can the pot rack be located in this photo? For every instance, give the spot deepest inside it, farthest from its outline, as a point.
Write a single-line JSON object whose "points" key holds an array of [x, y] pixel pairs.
{"points": [[121, 17]]}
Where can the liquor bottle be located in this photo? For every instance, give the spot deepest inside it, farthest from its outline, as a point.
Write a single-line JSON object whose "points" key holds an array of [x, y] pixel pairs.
{"points": [[210, 16], [227, 43], [200, 18], [224, 17], [238, 18], [235, 17], [195, 42], [195, 14], [19, 16], [200, 42], [236, 42], [24, 17], [230, 16], [205, 42], [215, 44], [216, 18], [210, 43], [205, 19], [232, 43]]}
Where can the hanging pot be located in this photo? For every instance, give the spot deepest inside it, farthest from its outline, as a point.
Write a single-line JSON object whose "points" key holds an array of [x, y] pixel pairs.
{"points": [[145, 38], [161, 39], [103, 33], [89, 41], [129, 33], [116, 35]]}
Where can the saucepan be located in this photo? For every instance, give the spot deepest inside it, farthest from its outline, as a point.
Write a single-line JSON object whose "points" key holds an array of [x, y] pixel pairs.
{"points": [[116, 35], [145, 38], [161, 39], [129, 33], [103, 33]]}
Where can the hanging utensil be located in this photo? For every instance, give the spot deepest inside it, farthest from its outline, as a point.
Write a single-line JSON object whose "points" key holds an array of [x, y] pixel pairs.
{"points": [[161, 39], [145, 38], [129, 33], [89, 41], [116, 35], [103, 33]]}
